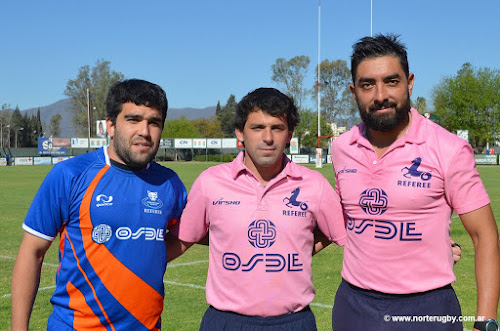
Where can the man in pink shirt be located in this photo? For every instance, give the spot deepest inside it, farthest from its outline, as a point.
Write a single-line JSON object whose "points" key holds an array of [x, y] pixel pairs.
{"points": [[400, 177], [262, 211]]}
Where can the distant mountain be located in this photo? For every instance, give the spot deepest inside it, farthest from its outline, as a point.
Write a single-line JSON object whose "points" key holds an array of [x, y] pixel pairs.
{"points": [[68, 130], [62, 107], [190, 113]]}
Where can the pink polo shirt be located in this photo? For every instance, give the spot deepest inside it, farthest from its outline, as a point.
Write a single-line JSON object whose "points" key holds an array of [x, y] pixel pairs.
{"points": [[261, 238], [399, 206]]}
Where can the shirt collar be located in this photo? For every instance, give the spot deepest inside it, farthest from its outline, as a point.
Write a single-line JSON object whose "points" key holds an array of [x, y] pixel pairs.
{"points": [[290, 169]]}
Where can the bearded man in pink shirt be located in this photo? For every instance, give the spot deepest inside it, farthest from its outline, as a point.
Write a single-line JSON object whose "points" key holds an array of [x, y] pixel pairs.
{"points": [[400, 177], [262, 211]]}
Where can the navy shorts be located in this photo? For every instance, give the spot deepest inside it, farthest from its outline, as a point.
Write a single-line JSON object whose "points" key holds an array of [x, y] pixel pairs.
{"points": [[360, 309], [217, 320]]}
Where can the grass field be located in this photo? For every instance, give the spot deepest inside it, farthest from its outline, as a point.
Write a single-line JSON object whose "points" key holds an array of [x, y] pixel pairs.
{"points": [[185, 277]]}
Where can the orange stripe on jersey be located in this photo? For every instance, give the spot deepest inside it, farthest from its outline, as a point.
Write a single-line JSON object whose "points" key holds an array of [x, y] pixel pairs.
{"points": [[171, 223], [84, 317], [61, 250], [90, 284], [133, 293]]}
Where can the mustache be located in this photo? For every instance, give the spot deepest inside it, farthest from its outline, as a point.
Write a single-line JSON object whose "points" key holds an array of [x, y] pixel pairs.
{"points": [[142, 140], [385, 104]]}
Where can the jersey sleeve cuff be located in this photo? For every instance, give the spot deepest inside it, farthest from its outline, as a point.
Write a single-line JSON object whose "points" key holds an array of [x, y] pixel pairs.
{"points": [[36, 233]]}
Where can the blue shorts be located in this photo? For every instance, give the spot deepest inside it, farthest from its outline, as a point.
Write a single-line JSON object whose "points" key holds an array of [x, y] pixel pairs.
{"points": [[360, 309], [217, 320]]}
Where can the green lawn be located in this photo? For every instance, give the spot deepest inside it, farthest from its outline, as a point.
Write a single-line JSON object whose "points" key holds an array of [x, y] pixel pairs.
{"points": [[185, 277]]}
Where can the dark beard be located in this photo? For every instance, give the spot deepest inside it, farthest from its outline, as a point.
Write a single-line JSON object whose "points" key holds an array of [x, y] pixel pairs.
{"points": [[385, 122]]}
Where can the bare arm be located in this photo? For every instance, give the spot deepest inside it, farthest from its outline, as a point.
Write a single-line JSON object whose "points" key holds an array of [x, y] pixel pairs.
{"points": [[481, 226], [175, 246], [26, 278]]}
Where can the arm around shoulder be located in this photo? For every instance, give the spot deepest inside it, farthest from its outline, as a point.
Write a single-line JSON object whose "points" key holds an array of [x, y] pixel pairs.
{"points": [[175, 246], [26, 278]]}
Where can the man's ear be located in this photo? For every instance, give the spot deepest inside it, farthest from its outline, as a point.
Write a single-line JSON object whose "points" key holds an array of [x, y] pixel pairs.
{"points": [[353, 90], [239, 135], [110, 127], [411, 80]]}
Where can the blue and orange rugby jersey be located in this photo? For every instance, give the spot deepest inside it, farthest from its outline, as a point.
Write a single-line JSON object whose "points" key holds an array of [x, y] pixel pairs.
{"points": [[112, 254]]}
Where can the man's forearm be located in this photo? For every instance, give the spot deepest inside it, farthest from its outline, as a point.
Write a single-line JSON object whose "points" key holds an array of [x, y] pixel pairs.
{"points": [[487, 277], [175, 247], [25, 281]]}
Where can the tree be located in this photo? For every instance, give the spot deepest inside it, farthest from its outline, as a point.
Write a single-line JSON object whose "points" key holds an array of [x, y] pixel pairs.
{"points": [[16, 125], [336, 98], [226, 117], [35, 131], [290, 74], [217, 108], [420, 104], [307, 129], [208, 128], [470, 101], [180, 128], [97, 80], [55, 125], [5, 118]]}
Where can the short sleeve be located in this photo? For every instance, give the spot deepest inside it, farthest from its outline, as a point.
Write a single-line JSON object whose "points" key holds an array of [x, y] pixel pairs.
{"points": [[464, 188], [50, 207], [329, 216], [180, 202], [193, 224]]}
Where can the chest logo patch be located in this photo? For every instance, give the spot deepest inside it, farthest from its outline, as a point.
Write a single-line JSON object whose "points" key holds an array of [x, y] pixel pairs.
{"points": [[374, 201], [104, 200], [292, 201], [102, 233], [413, 171], [261, 233], [152, 200]]}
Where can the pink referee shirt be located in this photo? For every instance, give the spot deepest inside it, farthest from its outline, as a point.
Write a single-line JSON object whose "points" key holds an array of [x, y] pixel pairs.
{"points": [[399, 207], [261, 238]]}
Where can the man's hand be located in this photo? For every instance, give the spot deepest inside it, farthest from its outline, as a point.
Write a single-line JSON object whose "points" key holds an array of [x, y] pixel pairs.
{"points": [[456, 249]]}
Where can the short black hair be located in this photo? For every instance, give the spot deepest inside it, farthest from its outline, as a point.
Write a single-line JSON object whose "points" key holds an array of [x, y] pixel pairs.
{"points": [[380, 45], [268, 100], [138, 91]]}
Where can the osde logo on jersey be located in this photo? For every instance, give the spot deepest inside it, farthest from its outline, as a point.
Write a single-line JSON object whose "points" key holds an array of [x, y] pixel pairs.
{"points": [[262, 233], [102, 233]]}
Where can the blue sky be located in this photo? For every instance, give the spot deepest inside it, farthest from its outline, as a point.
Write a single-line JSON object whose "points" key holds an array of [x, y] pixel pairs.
{"points": [[203, 51]]}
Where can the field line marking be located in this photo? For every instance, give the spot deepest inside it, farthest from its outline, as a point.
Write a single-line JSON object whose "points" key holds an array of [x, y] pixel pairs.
{"points": [[168, 265], [168, 282], [44, 263], [321, 305], [185, 263], [39, 289]]}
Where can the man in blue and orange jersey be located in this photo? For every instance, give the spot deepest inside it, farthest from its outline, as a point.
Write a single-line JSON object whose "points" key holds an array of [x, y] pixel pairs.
{"points": [[111, 208]]}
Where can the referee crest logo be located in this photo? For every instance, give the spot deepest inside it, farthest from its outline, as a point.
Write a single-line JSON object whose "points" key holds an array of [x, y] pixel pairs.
{"points": [[293, 202]]}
